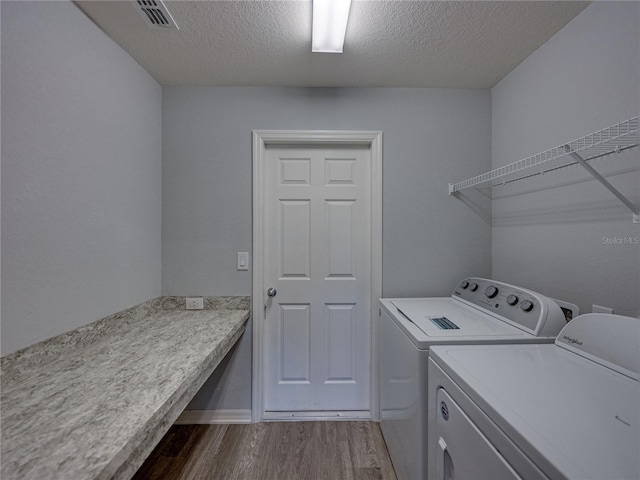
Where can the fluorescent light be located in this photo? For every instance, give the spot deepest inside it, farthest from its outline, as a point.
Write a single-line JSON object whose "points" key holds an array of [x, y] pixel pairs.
{"points": [[329, 25]]}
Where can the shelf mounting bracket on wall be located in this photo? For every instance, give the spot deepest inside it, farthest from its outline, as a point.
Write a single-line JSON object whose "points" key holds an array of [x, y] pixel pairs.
{"points": [[605, 182], [613, 139]]}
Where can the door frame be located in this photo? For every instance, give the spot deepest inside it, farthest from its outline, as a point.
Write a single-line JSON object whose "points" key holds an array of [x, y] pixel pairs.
{"points": [[261, 139]]}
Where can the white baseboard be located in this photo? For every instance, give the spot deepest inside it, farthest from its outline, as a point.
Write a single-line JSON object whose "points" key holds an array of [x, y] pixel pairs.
{"points": [[307, 416], [205, 417]]}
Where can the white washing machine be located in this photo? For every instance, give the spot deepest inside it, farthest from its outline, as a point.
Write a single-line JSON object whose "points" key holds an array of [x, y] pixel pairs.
{"points": [[478, 311], [568, 410]]}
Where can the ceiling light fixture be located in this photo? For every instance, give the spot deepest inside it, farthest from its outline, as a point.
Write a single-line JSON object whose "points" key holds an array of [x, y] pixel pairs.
{"points": [[329, 25]]}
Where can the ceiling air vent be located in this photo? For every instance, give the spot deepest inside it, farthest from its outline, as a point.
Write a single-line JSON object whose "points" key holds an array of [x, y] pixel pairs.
{"points": [[155, 13]]}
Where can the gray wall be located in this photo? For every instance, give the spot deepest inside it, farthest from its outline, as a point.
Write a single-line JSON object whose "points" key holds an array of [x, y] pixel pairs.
{"points": [[430, 240], [81, 174], [552, 234]]}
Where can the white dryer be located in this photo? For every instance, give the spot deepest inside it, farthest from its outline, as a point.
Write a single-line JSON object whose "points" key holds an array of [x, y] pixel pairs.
{"points": [[569, 410], [479, 311]]}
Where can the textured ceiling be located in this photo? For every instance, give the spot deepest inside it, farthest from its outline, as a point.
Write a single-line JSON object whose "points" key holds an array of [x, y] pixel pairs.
{"points": [[455, 44]]}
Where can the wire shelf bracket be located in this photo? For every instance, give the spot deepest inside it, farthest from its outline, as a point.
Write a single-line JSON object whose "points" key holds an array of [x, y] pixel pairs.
{"points": [[615, 138]]}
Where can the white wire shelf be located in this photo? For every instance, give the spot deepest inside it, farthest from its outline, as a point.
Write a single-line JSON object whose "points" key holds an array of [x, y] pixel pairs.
{"points": [[615, 138]]}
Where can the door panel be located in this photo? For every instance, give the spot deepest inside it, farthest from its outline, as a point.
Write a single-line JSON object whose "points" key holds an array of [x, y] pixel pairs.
{"points": [[294, 343], [341, 343], [341, 248], [317, 255], [295, 238], [295, 171]]}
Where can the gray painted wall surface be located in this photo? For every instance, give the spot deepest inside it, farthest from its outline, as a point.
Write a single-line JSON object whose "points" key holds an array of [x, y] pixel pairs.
{"points": [[81, 174], [430, 240], [431, 136], [557, 234]]}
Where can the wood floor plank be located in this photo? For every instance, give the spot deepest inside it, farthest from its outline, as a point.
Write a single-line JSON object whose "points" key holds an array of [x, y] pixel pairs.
{"points": [[209, 444], [271, 451], [172, 454]]}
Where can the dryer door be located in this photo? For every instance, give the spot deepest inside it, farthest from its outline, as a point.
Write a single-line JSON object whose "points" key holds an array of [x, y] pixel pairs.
{"points": [[464, 453]]}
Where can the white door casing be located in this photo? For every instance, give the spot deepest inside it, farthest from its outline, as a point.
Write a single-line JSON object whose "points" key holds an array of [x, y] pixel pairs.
{"points": [[317, 240]]}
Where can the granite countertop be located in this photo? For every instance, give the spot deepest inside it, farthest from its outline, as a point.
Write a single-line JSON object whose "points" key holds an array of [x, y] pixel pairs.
{"points": [[96, 408]]}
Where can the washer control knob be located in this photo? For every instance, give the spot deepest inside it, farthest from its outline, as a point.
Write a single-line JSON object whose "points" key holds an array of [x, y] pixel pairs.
{"points": [[512, 299], [473, 287], [526, 305], [491, 291], [464, 285]]}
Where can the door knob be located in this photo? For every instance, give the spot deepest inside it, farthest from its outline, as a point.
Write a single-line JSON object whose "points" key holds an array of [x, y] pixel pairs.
{"points": [[272, 292]]}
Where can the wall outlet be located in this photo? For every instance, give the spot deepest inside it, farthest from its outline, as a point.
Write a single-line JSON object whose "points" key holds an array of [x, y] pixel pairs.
{"points": [[195, 303], [599, 309]]}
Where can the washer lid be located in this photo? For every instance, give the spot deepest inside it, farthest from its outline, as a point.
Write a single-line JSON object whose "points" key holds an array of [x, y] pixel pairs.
{"points": [[572, 417], [447, 318]]}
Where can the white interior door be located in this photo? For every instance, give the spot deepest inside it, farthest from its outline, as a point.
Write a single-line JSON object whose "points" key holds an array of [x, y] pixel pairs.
{"points": [[317, 257]]}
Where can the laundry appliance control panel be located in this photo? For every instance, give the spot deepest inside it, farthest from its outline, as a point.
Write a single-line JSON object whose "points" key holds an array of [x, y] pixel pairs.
{"points": [[525, 309]]}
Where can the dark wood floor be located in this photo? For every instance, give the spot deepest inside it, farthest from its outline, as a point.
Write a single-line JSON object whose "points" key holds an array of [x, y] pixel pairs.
{"points": [[271, 450]]}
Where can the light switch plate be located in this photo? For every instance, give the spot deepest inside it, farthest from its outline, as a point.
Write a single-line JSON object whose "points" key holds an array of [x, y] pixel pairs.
{"points": [[243, 260]]}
